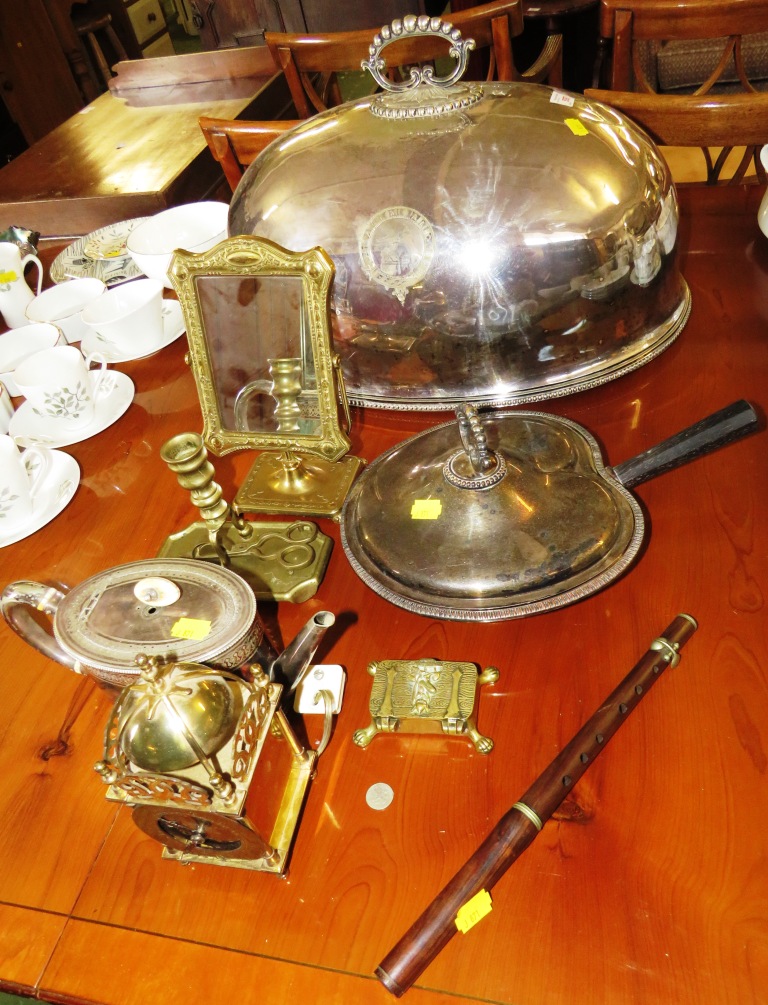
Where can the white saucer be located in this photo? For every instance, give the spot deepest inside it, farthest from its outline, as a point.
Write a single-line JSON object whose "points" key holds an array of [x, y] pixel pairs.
{"points": [[173, 327], [31, 430], [74, 263], [56, 490]]}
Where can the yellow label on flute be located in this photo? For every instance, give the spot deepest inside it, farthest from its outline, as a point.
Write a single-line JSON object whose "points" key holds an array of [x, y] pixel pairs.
{"points": [[473, 911], [426, 509], [190, 628]]}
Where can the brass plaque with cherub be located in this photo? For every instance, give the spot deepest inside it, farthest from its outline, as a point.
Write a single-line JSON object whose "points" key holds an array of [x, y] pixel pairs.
{"points": [[426, 696]]}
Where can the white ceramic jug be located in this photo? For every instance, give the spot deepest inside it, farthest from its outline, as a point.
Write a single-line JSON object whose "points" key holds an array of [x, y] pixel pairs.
{"points": [[762, 213], [15, 294]]}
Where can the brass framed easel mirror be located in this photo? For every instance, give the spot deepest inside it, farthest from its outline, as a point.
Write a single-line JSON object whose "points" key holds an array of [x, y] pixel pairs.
{"points": [[257, 319]]}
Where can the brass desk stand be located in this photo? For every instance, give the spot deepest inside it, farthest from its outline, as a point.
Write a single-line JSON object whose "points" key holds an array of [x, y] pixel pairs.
{"points": [[279, 560]]}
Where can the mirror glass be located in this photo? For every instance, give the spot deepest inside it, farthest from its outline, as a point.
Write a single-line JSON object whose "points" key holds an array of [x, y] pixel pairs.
{"points": [[260, 351]]}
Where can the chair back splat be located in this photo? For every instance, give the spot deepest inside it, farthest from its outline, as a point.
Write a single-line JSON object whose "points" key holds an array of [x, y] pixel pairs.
{"points": [[235, 143]]}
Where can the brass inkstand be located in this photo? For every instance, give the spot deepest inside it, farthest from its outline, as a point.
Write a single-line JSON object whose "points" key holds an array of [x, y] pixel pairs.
{"points": [[426, 696]]}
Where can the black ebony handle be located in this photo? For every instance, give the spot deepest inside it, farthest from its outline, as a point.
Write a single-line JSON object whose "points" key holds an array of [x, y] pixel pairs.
{"points": [[729, 424]]}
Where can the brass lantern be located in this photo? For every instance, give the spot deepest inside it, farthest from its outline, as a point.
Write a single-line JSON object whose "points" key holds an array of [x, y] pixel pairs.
{"points": [[209, 763]]}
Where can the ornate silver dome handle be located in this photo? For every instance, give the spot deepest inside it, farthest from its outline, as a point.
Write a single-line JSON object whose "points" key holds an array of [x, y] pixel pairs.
{"points": [[475, 466], [415, 26]]}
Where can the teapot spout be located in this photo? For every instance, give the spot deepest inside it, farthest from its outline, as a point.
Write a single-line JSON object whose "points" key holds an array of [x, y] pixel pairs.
{"points": [[292, 664]]}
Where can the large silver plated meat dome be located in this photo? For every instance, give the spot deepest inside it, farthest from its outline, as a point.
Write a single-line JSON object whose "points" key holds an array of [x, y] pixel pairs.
{"points": [[493, 243]]}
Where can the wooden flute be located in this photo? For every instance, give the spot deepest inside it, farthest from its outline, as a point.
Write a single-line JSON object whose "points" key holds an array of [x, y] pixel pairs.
{"points": [[520, 825]]}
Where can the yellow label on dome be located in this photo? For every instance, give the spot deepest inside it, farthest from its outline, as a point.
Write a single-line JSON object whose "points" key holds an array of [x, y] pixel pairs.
{"points": [[473, 911], [577, 127], [426, 509], [190, 628]]}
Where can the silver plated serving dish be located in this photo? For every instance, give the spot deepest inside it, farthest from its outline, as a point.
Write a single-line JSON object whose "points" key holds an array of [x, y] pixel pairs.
{"points": [[493, 243], [505, 514]]}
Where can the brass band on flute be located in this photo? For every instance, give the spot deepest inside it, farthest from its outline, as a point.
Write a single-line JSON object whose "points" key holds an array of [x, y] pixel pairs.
{"points": [[523, 821]]}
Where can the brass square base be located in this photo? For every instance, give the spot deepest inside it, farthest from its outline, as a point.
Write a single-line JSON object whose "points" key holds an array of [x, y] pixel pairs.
{"points": [[314, 487], [279, 561]]}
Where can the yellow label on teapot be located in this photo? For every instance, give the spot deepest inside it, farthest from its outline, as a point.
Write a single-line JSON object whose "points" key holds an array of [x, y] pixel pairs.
{"points": [[8, 277], [190, 628]]}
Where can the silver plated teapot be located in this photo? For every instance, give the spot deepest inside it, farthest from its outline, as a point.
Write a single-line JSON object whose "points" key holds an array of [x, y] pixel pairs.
{"points": [[173, 608]]}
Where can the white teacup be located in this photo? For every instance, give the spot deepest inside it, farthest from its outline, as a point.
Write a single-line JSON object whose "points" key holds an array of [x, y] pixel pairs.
{"points": [[19, 343], [21, 478], [59, 386], [128, 318], [63, 305]]}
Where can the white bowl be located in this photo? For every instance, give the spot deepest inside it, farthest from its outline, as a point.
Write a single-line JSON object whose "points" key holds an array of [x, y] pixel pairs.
{"points": [[63, 305], [129, 318], [19, 343], [195, 226]]}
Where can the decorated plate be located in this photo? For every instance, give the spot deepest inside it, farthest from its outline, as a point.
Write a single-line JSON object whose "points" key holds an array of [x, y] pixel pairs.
{"points": [[109, 242], [79, 259]]}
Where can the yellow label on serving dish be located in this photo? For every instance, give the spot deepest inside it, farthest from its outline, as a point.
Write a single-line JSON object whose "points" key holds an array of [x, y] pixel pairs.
{"points": [[577, 127], [426, 509], [190, 628], [473, 911]]}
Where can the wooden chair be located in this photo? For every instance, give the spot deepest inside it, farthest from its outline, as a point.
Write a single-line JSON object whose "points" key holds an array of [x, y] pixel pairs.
{"points": [[719, 121], [304, 58], [627, 27], [235, 143]]}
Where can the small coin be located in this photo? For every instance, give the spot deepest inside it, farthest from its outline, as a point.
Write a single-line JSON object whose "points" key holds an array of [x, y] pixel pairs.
{"points": [[379, 796]]}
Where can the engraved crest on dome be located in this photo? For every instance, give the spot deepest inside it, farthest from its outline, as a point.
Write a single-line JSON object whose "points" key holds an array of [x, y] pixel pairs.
{"points": [[396, 249]]}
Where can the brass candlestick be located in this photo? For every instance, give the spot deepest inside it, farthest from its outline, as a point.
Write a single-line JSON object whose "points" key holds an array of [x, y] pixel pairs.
{"points": [[280, 561], [286, 388], [187, 457]]}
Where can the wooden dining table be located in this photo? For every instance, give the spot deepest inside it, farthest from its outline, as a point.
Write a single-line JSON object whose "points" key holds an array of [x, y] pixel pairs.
{"points": [[648, 886]]}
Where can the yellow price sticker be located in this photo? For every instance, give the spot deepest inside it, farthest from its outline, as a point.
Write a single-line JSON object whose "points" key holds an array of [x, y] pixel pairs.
{"points": [[473, 911], [577, 127], [426, 509], [190, 628]]}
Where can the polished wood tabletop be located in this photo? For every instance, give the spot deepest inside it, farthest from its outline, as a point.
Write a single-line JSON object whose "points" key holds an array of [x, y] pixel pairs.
{"points": [[650, 884]]}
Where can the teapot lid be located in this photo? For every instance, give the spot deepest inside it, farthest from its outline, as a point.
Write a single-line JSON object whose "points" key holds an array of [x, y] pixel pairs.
{"points": [[490, 518], [176, 608]]}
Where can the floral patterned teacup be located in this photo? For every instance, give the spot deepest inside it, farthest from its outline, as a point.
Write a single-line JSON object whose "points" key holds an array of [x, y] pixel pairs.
{"points": [[21, 478], [60, 387]]}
